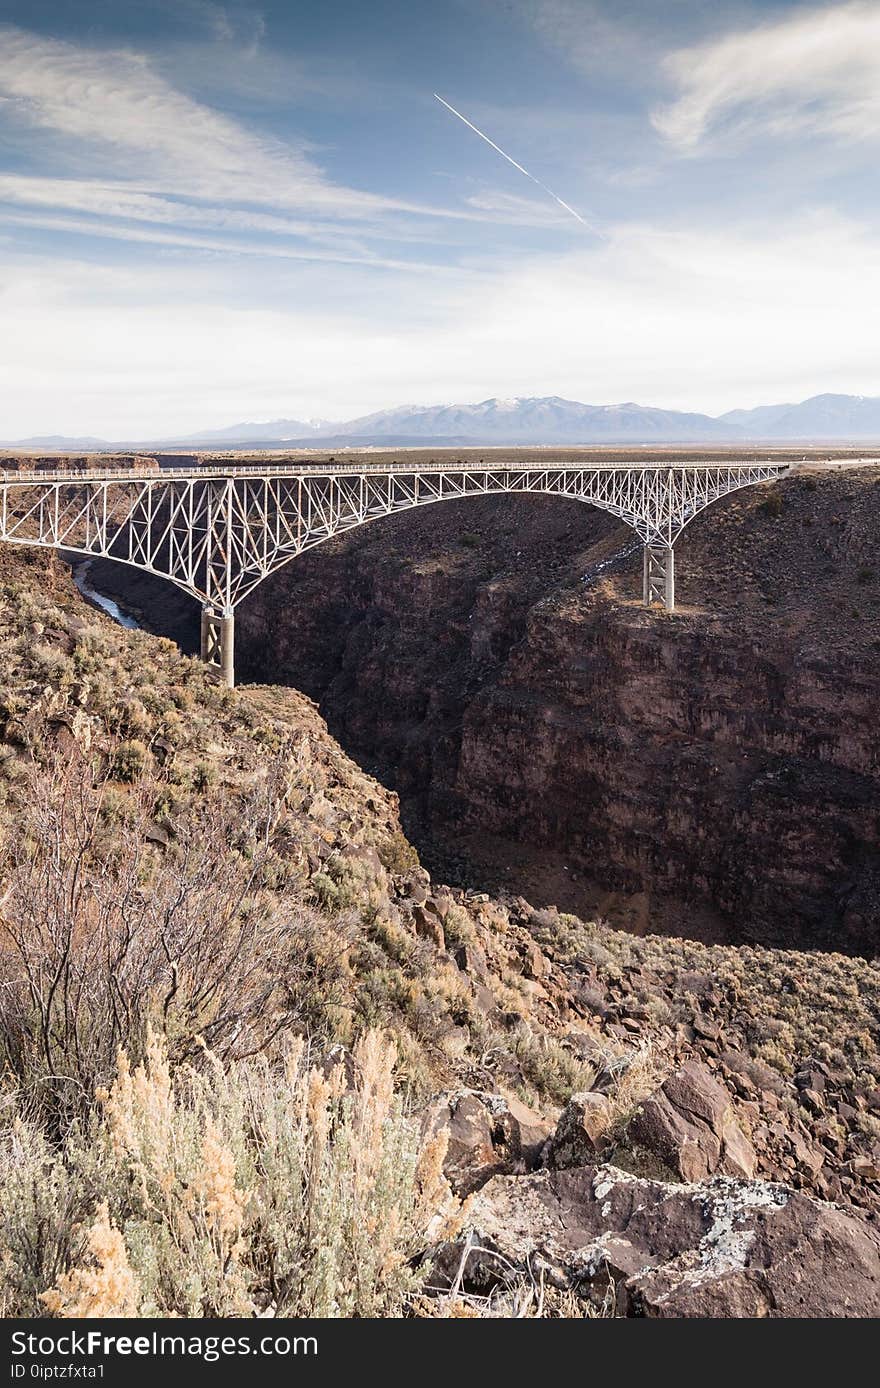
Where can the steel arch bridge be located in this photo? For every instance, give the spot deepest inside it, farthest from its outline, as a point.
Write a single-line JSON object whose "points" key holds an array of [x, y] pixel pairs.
{"points": [[217, 532]]}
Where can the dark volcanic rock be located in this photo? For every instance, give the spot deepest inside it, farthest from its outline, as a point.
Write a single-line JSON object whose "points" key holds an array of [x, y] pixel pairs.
{"points": [[581, 1131], [485, 1134], [722, 1248], [690, 1125]]}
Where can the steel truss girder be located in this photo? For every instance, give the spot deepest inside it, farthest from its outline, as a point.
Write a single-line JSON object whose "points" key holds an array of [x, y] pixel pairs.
{"points": [[218, 533]]}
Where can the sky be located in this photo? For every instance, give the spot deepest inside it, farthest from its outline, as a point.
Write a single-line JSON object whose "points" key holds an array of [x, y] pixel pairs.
{"points": [[248, 211]]}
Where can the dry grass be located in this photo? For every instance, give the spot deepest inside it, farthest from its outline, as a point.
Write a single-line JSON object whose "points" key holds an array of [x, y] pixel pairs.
{"points": [[513, 1296], [256, 1190]]}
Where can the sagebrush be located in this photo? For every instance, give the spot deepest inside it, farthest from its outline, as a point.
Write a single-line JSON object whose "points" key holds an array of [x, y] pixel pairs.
{"points": [[255, 1189]]}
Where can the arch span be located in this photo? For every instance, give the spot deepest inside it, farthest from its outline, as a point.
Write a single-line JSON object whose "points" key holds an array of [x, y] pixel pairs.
{"points": [[218, 532]]}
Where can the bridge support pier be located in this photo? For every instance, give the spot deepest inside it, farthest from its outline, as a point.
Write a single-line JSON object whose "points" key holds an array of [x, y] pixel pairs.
{"points": [[218, 643], [658, 575], [208, 635]]}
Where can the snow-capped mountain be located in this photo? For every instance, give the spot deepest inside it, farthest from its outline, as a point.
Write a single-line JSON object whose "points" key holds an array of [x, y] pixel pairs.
{"points": [[532, 420], [546, 419]]}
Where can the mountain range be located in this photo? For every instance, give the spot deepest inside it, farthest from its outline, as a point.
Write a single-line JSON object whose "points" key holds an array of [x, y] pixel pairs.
{"points": [[532, 420]]}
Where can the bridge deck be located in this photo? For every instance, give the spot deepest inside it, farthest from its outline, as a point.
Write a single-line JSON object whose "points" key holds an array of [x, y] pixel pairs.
{"points": [[292, 470]]}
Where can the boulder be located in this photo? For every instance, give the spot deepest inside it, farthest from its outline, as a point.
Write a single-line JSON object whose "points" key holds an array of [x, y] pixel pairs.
{"points": [[471, 959], [689, 1124], [580, 1132], [534, 1131], [486, 1134], [718, 1248], [868, 1167], [534, 962], [441, 903], [428, 925]]}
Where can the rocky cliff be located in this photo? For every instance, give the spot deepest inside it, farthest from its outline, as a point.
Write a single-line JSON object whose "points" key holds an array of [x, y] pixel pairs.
{"points": [[672, 1085], [712, 772]]}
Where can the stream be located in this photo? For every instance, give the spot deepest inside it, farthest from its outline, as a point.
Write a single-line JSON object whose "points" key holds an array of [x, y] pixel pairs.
{"points": [[81, 571]]}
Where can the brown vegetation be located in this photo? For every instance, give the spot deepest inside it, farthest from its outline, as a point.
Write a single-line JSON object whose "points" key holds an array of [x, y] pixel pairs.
{"points": [[237, 1191], [201, 895]]}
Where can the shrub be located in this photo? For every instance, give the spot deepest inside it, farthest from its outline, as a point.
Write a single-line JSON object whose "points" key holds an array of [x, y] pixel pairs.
{"points": [[41, 1208], [773, 505], [397, 854], [326, 892], [130, 761], [204, 776], [458, 927], [50, 662], [258, 1189], [102, 933], [551, 1069]]}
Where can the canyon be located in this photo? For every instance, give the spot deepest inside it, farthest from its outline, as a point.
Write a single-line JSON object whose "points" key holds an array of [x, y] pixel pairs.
{"points": [[711, 772], [670, 1105]]}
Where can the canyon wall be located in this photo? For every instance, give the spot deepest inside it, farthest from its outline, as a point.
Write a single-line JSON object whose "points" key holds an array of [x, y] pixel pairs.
{"points": [[713, 772]]}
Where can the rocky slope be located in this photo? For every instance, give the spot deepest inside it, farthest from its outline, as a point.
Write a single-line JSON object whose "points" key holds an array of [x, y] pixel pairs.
{"points": [[712, 772], [632, 1247], [579, 1066]]}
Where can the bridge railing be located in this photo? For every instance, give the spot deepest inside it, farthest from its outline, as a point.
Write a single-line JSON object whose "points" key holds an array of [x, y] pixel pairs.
{"points": [[308, 469]]}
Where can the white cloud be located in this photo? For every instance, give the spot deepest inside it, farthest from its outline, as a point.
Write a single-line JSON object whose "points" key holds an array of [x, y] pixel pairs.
{"points": [[113, 98], [148, 164], [815, 71], [224, 22], [684, 319], [155, 155], [113, 101], [112, 205], [594, 37], [513, 210], [111, 199], [188, 241], [127, 200]]}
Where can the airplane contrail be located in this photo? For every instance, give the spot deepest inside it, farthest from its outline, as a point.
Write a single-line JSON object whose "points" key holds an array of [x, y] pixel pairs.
{"points": [[500, 151]]}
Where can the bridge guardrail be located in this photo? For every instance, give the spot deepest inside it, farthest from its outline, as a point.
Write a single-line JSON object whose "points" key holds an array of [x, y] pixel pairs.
{"points": [[377, 469]]}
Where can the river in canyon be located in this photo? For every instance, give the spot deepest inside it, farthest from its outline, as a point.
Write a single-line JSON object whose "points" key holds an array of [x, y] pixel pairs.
{"points": [[82, 571]]}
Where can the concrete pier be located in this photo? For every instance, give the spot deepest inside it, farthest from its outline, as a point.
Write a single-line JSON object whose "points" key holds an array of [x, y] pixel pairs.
{"points": [[217, 645], [207, 634], [658, 575], [227, 649]]}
